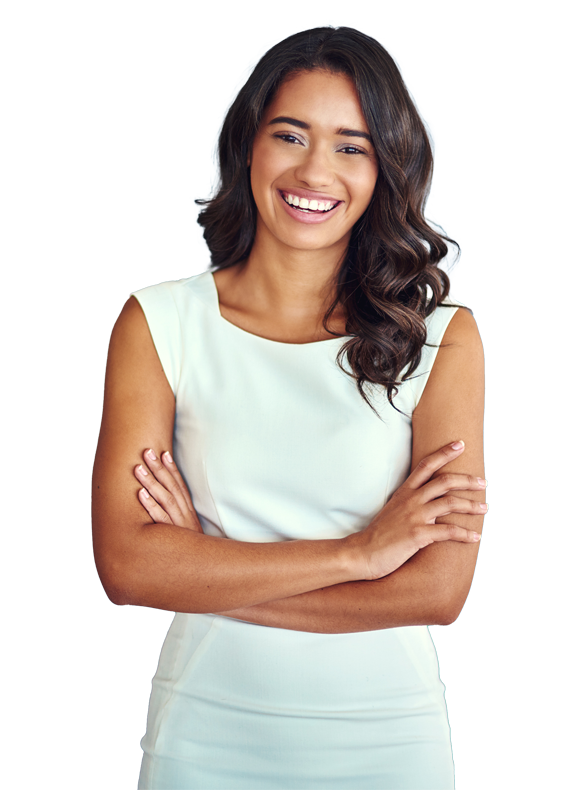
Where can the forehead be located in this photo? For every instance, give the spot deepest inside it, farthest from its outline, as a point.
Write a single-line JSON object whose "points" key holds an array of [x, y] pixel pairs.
{"points": [[318, 98]]}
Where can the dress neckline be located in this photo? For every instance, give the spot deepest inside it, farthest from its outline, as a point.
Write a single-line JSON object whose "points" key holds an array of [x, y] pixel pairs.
{"points": [[237, 328]]}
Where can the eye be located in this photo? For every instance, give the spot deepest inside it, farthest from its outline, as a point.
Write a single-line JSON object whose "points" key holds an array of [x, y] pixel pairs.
{"points": [[288, 138], [351, 149]]}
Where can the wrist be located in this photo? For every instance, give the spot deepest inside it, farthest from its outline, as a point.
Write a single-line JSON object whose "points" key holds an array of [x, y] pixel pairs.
{"points": [[354, 556]]}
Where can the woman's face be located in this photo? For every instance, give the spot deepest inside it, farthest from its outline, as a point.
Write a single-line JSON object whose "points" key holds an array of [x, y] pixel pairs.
{"points": [[313, 166]]}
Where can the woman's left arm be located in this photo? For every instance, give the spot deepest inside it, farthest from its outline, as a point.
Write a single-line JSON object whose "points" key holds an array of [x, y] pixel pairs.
{"points": [[432, 586]]}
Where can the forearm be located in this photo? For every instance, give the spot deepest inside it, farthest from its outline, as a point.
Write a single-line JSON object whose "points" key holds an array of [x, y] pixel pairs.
{"points": [[429, 589], [167, 567]]}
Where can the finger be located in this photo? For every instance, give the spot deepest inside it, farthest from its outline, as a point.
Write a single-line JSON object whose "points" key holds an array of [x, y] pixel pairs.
{"points": [[162, 496], [156, 512], [171, 466], [451, 481], [166, 479], [427, 466], [442, 532], [451, 503]]}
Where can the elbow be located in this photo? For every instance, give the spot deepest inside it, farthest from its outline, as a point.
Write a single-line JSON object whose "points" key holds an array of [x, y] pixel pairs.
{"points": [[448, 611], [449, 598], [446, 618], [116, 582], [124, 594], [117, 595]]}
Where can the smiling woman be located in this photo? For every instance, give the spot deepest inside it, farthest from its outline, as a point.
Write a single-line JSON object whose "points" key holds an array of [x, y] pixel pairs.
{"points": [[324, 403]]}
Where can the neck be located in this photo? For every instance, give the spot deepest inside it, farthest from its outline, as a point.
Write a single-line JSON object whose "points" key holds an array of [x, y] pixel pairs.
{"points": [[293, 284]]}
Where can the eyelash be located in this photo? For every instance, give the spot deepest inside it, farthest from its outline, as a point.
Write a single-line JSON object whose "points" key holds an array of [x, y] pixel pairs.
{"points": [[287, 137]]}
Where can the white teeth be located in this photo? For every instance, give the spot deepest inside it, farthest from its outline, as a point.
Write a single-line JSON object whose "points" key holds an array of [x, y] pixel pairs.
{"points": [[311, 205]]}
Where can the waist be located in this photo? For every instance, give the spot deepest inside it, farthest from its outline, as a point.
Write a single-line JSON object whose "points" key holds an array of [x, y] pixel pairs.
{"points": [[208, 656]]}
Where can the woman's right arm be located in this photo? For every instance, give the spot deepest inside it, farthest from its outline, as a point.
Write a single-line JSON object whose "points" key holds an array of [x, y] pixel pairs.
{"points": [[163, 565], [178, 568]]}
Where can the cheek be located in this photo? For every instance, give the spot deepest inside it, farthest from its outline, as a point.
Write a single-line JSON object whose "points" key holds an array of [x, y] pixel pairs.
{"points": [[266, 163], [261, 175], [364, 187]]}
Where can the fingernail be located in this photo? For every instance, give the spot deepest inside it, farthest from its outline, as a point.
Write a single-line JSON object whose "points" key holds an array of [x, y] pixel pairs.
{"points": [[142, 470], [482, 482], [476, 536], [483, 506], [458, 445], [150, 454], [168, 457], [144, 493]]}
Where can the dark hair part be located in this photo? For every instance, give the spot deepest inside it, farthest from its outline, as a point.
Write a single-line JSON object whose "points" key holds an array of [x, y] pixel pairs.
{"points": [[389, 280]]}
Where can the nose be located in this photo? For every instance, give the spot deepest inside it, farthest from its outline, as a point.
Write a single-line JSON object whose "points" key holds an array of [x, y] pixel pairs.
{"points": [[315, 168]]}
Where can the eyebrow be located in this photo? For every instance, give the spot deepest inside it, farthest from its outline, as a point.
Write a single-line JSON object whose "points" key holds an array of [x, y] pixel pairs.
{"points": [[304, 125]]}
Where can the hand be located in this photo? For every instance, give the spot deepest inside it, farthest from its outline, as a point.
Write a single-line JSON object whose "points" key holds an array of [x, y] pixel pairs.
{"points": [[407, 521], [164, 494]]}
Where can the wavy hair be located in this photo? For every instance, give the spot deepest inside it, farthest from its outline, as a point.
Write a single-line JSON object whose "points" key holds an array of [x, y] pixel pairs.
{"points": [[389, 280]]}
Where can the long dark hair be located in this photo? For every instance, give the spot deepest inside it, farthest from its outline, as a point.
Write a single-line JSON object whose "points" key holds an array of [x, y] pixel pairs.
{"points": [[389, 280]]}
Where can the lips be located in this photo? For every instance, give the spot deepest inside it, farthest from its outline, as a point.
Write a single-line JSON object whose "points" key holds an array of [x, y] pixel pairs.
{"points": [[304, 204], [309, 207]]}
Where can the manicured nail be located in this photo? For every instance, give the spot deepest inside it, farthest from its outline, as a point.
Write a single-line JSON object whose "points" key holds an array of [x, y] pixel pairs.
{"points": [[168, 457], [458, 445], [483, 506], [482, 482], [144, 493], [142, 470], [476, 536], [151, 455]]}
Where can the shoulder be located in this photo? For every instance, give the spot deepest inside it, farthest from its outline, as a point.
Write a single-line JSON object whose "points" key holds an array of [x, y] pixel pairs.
{"points": [[461, 342], [461, 331], [452, 334], [152, 313], [457, 373], [133, 361], [175, 294], [165, 312], [130, 329]]}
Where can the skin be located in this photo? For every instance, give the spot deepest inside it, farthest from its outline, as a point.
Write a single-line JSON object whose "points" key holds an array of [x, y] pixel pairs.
{"points": [[414, 562]]}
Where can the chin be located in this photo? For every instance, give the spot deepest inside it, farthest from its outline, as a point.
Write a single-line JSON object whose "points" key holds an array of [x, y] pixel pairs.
{"points": [[314, 245]]}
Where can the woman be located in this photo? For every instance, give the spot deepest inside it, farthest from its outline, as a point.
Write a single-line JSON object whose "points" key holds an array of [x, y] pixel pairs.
{"points": [[297, 385]]}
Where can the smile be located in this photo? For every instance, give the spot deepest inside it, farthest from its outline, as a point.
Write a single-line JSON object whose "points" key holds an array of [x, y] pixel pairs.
{"points": [[306, 211], [305, 205]]}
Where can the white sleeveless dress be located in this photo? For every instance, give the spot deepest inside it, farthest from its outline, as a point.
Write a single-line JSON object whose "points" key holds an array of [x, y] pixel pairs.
{"points": [[276, 443]]}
